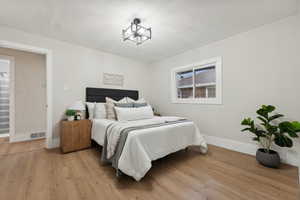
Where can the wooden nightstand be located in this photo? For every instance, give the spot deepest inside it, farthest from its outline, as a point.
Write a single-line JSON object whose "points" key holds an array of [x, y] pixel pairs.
{"points": [[75, 135]]}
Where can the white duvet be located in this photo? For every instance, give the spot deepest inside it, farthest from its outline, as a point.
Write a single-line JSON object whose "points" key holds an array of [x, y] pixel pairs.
{"points": [[146, 145]]}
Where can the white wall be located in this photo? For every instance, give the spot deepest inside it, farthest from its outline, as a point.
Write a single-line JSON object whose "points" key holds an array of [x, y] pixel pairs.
{"points": [[76, 67], [30, 92], [261, 66]]}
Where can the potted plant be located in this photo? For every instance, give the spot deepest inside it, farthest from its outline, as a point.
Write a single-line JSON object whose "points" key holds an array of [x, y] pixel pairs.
{"points": [[70, 114], [270, 130]]}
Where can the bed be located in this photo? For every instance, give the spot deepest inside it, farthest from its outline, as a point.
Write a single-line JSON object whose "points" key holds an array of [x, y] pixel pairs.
{"points": [[131, 146]]}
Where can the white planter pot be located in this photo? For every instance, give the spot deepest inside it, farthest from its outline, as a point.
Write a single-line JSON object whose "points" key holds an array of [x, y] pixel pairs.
{"points": [[70, 118]]}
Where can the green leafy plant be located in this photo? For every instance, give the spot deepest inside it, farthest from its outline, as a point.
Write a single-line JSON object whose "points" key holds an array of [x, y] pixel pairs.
{"points": [[271, 129], [70, 112]]}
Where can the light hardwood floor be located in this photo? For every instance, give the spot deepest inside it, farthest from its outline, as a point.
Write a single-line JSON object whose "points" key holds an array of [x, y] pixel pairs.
{"points": [[3, 139], [7, 148], [28, 171]]}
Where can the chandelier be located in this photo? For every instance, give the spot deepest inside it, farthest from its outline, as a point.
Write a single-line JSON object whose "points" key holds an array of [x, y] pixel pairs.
{"points": [[136, 33]]}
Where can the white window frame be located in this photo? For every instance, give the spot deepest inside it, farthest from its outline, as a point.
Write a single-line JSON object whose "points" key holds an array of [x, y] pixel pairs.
{"points": [[217, 62]]}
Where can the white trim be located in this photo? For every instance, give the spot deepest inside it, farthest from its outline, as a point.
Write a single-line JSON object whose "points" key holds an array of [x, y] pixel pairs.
{"points": [[2, 135], [205, 84], [49, 133], [218, 100], [55, 143], [48, 54], [11, 94], [248, 148], [185, 86], [22, 138], [197, 85], [23, 47]]}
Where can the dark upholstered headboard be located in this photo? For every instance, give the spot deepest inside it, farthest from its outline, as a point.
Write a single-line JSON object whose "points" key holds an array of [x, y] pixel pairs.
{"points": [[99, 94]]}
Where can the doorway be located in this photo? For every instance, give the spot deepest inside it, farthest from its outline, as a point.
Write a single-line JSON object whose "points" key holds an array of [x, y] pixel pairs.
{"points": [[50, 143], [29, 121]]}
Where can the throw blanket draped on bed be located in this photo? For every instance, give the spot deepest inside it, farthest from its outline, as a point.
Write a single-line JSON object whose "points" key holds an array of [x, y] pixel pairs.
{"points": [[117, 134], [111, 153]]}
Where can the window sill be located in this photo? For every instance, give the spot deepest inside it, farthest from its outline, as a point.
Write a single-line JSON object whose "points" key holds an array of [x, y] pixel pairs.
{"points": [[214, 101]]}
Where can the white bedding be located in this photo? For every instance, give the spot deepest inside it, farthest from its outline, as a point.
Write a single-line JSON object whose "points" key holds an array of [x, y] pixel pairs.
{"points": [[143, 146], [98, 129]]}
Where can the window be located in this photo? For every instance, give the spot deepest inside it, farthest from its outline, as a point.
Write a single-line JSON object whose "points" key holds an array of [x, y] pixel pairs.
{"points": [[185, 84], [198, 83]]}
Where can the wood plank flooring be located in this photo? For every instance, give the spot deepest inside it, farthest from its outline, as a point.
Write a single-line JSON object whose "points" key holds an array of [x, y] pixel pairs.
{"points": [[7, 148], [4, 139], [28, 171]]}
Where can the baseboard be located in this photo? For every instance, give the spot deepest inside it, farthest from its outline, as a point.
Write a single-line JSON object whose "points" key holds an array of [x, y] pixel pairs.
{"points": [[22, 138], [26, 137], [287, 156], [4, 135], [55, 143]]}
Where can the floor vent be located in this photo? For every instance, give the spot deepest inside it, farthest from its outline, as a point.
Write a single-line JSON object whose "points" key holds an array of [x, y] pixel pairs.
{"points": [[37, 135]]}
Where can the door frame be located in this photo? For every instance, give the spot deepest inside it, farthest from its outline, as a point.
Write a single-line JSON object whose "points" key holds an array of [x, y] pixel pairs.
{"points": [[48, 53], [11, 94]]}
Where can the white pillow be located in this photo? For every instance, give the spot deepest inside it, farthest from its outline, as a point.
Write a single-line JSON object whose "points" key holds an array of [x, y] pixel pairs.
{"points": [[91, 107], [141, 100], [130, 114], [110, 104], [99, 111]]}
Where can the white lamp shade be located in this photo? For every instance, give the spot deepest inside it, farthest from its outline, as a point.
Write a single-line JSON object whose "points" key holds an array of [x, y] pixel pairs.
{"points": [[78, 105]]}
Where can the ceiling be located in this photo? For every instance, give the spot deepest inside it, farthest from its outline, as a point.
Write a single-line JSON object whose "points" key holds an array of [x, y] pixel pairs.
{"points": [[177, 25]]}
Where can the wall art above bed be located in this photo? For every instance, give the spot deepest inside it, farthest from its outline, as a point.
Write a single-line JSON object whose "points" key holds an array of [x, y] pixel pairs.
{"points": [[113, 79]]}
